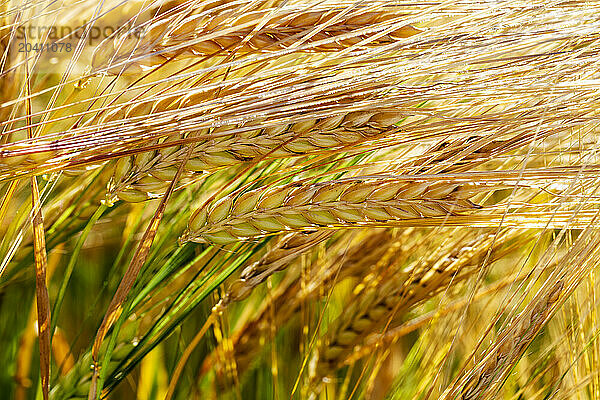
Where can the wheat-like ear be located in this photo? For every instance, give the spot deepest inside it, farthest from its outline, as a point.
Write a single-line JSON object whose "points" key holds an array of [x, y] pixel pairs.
{"points": [[277, 259], [184, 32], [359, 260], [343, 203], [147, 175], [396, 290], [483, 378]]}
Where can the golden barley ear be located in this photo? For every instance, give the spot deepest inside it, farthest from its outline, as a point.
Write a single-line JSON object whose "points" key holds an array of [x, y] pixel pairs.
{"points": [[346, 203]]}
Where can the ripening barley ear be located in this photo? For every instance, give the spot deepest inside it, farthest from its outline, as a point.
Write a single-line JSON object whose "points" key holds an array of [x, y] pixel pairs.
{"points": [[246, 344], [395, 291], [360, 201], [184, 32]]}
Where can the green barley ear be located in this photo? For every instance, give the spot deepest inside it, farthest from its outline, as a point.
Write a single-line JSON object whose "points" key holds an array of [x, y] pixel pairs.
{"points": [[76, 383]]}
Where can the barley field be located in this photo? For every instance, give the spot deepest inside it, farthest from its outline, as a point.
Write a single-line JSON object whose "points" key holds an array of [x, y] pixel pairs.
{"points": [[299, 199]]}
